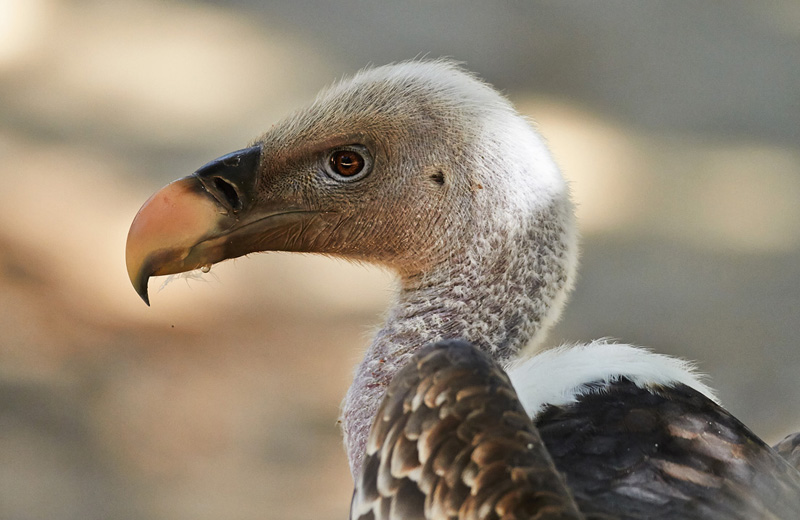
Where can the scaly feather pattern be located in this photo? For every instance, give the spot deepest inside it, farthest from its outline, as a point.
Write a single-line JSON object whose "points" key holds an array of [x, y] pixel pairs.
{"points": [[452, 441], [665, 453]]}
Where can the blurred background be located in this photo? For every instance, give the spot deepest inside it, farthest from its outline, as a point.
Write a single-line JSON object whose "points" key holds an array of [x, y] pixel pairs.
{"points": [[677, 125]]}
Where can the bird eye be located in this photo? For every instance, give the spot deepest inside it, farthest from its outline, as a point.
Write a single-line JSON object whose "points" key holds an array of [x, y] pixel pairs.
{"points": [[349, 163]]}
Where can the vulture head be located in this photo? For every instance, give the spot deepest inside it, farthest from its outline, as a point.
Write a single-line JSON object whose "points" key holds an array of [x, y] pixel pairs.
{"points": [[413, 166]]}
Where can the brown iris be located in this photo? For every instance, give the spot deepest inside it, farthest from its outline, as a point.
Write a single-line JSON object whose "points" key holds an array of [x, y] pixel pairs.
{"points": [[347, 163]]}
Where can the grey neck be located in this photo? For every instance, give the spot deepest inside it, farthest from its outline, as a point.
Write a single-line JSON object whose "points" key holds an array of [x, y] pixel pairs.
{"points": [[500, 293]]}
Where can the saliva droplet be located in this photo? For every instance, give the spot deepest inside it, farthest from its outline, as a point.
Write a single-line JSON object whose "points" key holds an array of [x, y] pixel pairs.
{"points": [[206, 268]]}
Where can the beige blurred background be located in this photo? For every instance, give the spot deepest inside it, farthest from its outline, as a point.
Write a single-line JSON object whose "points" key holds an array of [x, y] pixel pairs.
{"points": [[676, 123]]}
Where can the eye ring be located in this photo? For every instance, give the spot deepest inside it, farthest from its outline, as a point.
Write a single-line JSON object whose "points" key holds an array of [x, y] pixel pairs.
{"points": [[348, 163]]}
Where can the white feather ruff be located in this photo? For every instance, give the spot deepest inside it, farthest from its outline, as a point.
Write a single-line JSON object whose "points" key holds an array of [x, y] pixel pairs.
{"points": [[560, 376]]}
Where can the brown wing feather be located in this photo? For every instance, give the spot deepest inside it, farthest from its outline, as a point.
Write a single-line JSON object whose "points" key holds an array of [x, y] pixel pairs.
{"points": [[789, 449], [452, 441], [672, 453]]}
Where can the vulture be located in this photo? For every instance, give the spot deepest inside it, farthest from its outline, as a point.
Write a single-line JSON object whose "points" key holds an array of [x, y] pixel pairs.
{"points": [[424, 169]]}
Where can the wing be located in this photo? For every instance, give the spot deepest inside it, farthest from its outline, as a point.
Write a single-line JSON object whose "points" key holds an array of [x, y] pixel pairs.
{"points": [[451, 440], [628, 452], [789, 449]]}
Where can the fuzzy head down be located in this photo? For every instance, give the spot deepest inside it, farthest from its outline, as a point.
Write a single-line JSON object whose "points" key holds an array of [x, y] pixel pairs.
{"points": [[450, 160]]}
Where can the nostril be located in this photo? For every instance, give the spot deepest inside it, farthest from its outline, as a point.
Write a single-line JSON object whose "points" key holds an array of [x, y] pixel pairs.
{"points": [[232, 161], [229, 192]]}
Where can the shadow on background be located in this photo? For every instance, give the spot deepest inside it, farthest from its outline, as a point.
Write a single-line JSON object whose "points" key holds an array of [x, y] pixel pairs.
{"points": [[676, 125]]}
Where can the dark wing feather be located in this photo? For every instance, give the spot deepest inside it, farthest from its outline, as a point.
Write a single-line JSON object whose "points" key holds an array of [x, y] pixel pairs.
{"points": [[451, 440], [789, 449], [672, 453]]}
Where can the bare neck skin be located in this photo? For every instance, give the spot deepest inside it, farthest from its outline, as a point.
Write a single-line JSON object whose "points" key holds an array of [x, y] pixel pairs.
{"points": [[501, 293]]}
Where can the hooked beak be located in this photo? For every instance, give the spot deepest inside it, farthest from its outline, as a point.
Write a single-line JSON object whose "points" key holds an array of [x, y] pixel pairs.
{"points": [[165, 231], [208, 217]]}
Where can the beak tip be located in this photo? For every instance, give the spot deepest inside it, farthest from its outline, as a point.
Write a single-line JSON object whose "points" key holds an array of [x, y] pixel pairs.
{"points": [[139, 274], [140, 286]]}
